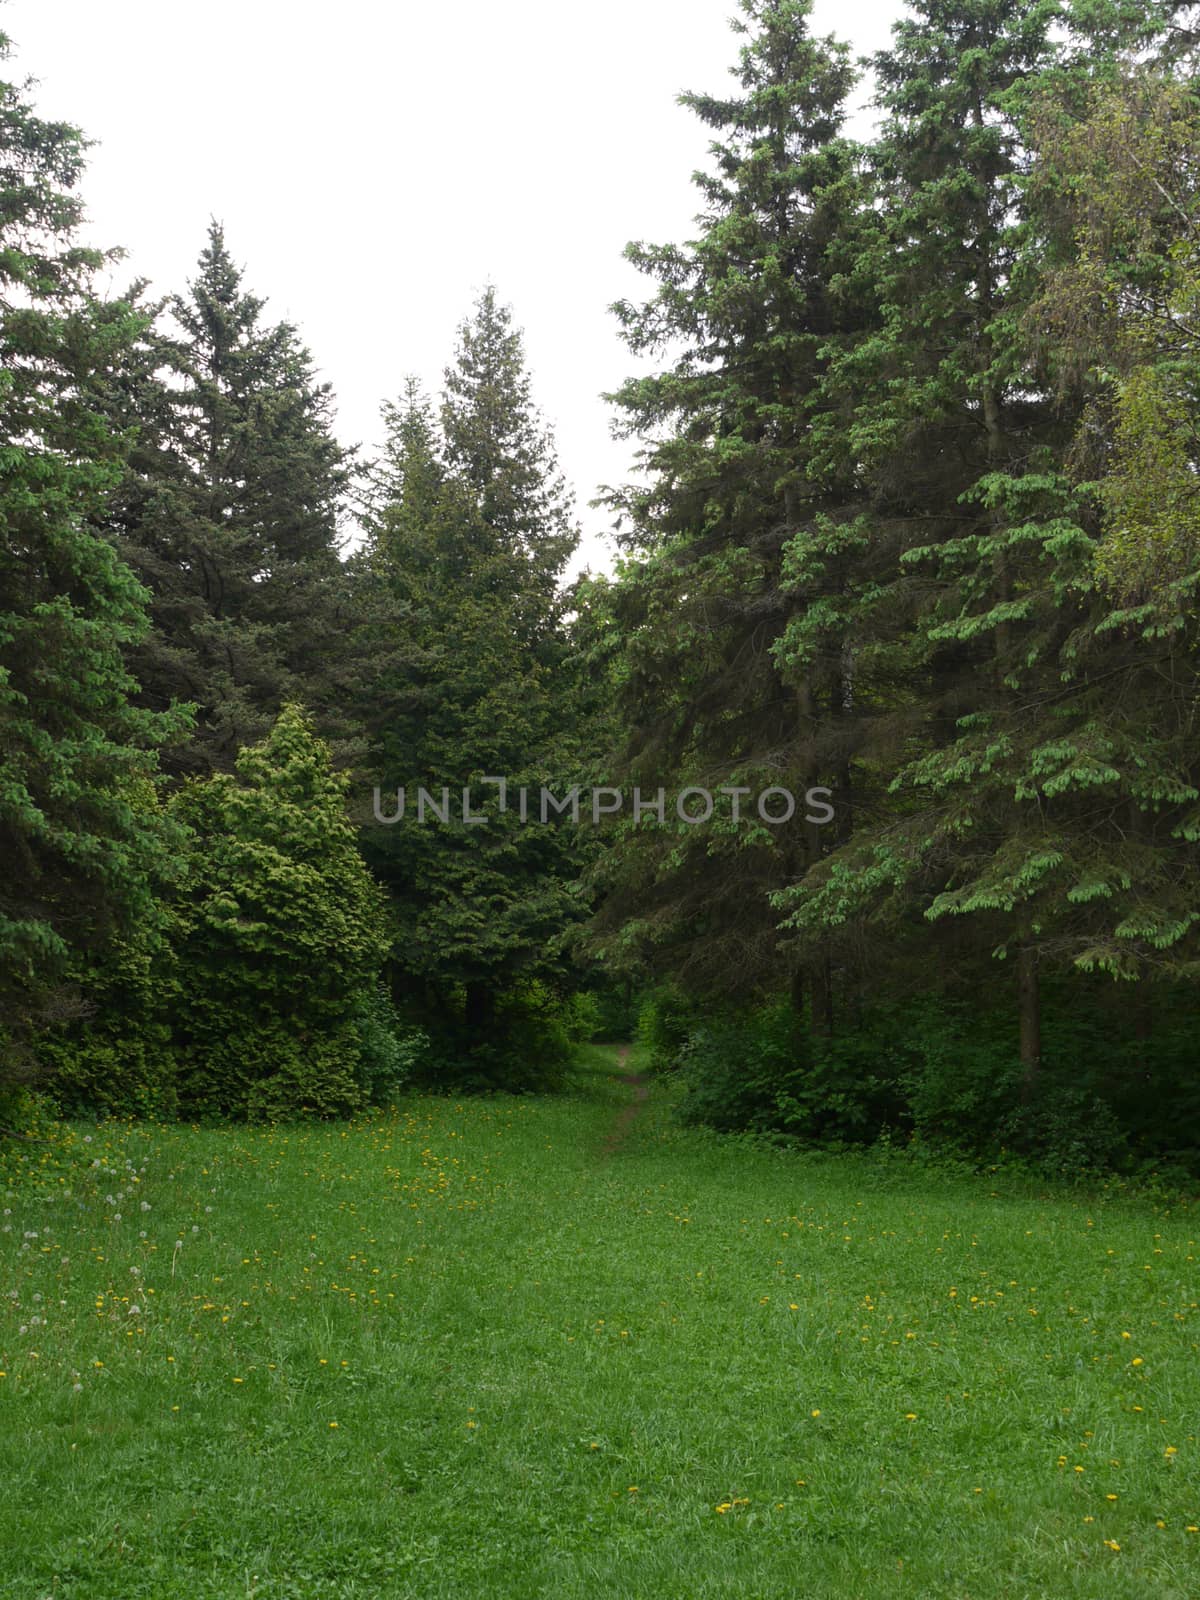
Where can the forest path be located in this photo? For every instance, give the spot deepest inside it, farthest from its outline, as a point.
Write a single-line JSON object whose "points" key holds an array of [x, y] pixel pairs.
{"points": [[629, 1113]]}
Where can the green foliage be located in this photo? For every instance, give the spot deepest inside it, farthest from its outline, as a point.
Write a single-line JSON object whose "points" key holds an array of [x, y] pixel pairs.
{"points": [[746, 319], [472, 678], [117, 1059], [948, 1077], [82, 843], [617, 1007], [665, 1020], [279, 936], [735, 1070], [387, 1050], [529, 1040], [229, 515]]}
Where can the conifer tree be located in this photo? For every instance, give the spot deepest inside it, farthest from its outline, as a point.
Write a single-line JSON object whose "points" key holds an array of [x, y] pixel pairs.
{"points": [[230, 516], [279, 934], [733, 536], [80, 837], [468, 547], [1013, 807]]}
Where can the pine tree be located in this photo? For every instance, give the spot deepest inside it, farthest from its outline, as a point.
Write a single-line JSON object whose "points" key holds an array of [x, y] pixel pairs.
{"points": [[230, 517], [81, 839], [734, 537]]}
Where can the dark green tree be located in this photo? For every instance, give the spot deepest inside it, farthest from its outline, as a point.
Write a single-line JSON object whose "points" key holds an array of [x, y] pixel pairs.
{"points": [[735, 533], [229, 515], [467, 545], [80, 836], [1018, 815]]}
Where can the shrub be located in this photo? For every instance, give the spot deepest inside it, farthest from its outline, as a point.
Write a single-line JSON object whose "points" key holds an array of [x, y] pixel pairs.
{"points": [[387, 1050], [665, 1023], [734, 1069], [117, 1059], [278, 936]]}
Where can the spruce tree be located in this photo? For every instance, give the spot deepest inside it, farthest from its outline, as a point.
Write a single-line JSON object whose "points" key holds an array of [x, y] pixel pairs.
{"points": [[735, 535], [81, 839], [230, 517], [1013, 819], [467, 546]]}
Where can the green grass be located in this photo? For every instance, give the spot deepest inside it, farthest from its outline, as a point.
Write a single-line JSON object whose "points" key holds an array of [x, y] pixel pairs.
{"points": [[462, 1352]]}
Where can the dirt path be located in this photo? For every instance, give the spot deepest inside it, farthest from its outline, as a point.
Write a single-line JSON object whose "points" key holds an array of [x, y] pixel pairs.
{"points": [[628, 1114]]}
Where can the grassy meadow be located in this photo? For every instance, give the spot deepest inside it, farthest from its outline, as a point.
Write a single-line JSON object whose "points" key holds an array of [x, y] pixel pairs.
{"points": [[559, 1347]]}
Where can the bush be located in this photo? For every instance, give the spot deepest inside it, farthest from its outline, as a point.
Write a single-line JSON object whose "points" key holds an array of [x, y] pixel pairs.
{"points": [[734, 1069], [948, 1078], [665, 1023], [387, 1051], [118, 1061], [278, 937]]}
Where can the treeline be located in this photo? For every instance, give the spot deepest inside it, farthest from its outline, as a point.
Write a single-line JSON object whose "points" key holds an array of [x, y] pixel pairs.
{"points": [[918, 526], [921, 525], [198, 685]]}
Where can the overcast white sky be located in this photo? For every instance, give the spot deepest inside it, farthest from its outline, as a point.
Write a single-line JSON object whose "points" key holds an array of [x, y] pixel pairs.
{"points": [[378, 161]]}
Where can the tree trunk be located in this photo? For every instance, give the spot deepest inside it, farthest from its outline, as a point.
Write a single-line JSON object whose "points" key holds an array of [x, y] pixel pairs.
{"points": [[822, 998], [1143, 1018], [478, 1009], [1030, 1007]]}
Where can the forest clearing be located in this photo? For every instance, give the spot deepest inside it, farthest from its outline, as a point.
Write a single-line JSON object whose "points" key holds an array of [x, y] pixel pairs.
{"points": [[469, 1348], [600, 1034]]}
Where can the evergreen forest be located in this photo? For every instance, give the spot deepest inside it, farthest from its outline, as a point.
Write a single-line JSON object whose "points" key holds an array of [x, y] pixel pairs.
{"points": [[862, 793]]}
